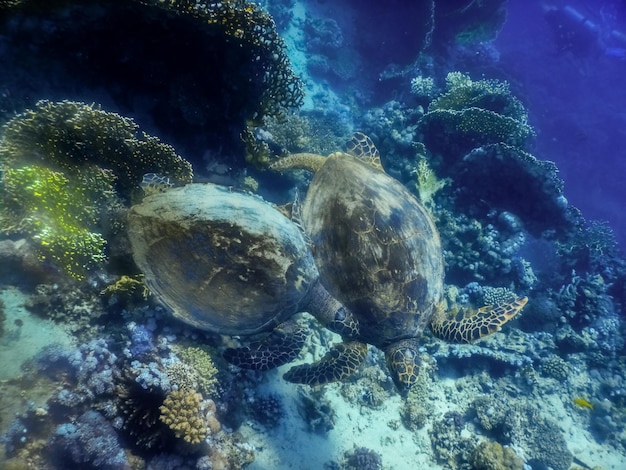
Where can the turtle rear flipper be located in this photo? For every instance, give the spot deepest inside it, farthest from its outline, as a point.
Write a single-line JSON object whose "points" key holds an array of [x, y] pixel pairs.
{"points": [[343, 360], [281, 346], [473, 326]]}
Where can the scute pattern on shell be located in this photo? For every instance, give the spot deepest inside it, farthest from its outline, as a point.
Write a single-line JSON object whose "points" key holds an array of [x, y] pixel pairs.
{"points": [[376, 247], [220, 260]]}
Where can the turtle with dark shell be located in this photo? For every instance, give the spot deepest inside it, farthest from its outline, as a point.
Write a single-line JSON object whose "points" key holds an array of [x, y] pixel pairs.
{"points": [[379, 253]]}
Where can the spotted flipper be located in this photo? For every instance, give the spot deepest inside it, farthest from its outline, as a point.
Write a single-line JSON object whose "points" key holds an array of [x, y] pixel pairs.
{"points": [[362, 147], [472, 326], [280, 347], [343, 360]]}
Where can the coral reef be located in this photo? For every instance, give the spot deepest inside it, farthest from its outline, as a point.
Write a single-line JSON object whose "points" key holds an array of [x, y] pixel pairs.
{"points": [[268, 409], [60, 165], [68, 135], [518, 422], [471, 114], [199, 73], [90, 440], [485, 252], [413, 413], [190, 416], [251, 27], [503, 177], [316, 411], [449, 447], [362, 458], [490, 455], [555, 367], [202, 364], [306, 131], [424, 87]]}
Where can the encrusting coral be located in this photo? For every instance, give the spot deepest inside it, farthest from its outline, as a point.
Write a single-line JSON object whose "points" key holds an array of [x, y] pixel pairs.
{"points": [[190, 416]]}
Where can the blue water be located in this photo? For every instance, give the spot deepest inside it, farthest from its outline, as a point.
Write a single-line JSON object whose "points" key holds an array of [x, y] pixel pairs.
{"points": [[575, 95], [505, 119]]}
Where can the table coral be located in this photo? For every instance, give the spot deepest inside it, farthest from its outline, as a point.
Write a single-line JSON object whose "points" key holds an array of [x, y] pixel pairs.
{"points": [[473, 113]]}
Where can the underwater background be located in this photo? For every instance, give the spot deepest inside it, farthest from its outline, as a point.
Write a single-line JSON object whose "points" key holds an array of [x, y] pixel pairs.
{"points": [[505, 119]]}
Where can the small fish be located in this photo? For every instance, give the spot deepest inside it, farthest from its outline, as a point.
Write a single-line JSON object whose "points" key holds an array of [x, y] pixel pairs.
{"points": [[580, 401]]}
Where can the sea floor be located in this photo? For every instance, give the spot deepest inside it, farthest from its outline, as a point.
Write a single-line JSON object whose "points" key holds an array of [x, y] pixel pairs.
{"points": [[346, 420], [291, 445]]}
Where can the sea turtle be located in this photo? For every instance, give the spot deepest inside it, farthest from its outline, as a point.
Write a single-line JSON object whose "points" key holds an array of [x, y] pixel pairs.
{"points": [[379, 253], [231, 263]]}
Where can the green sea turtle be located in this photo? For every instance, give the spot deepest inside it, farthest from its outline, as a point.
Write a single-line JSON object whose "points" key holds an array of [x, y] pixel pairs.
{"points": [[231, 263], [379, 253]]}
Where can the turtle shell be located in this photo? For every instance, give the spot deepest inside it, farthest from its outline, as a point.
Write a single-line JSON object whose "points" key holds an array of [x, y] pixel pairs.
{"points": [[376, 247], [221, 260]]}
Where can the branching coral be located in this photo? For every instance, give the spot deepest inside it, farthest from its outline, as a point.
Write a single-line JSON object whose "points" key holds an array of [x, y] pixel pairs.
{"points": [[190, 416], [65, 136], [202, 364], [427, 182], [61, 163], [252, 27]]}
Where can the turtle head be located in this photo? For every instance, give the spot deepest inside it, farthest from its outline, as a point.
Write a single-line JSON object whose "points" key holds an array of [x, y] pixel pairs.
{"points": [[403, 361]]}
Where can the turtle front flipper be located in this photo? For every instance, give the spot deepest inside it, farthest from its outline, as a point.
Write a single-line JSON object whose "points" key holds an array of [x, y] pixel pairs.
{"points": [[474, 325], [281, 346], [343, 360]]}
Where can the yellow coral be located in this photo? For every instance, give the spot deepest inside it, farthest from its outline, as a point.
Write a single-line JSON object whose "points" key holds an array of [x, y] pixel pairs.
{"points": [[200, 361], [190, 416], [129, 288], [427, 182]]}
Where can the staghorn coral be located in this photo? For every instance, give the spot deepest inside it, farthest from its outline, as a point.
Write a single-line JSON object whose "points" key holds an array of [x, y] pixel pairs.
{"points": [[190, 416]]}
